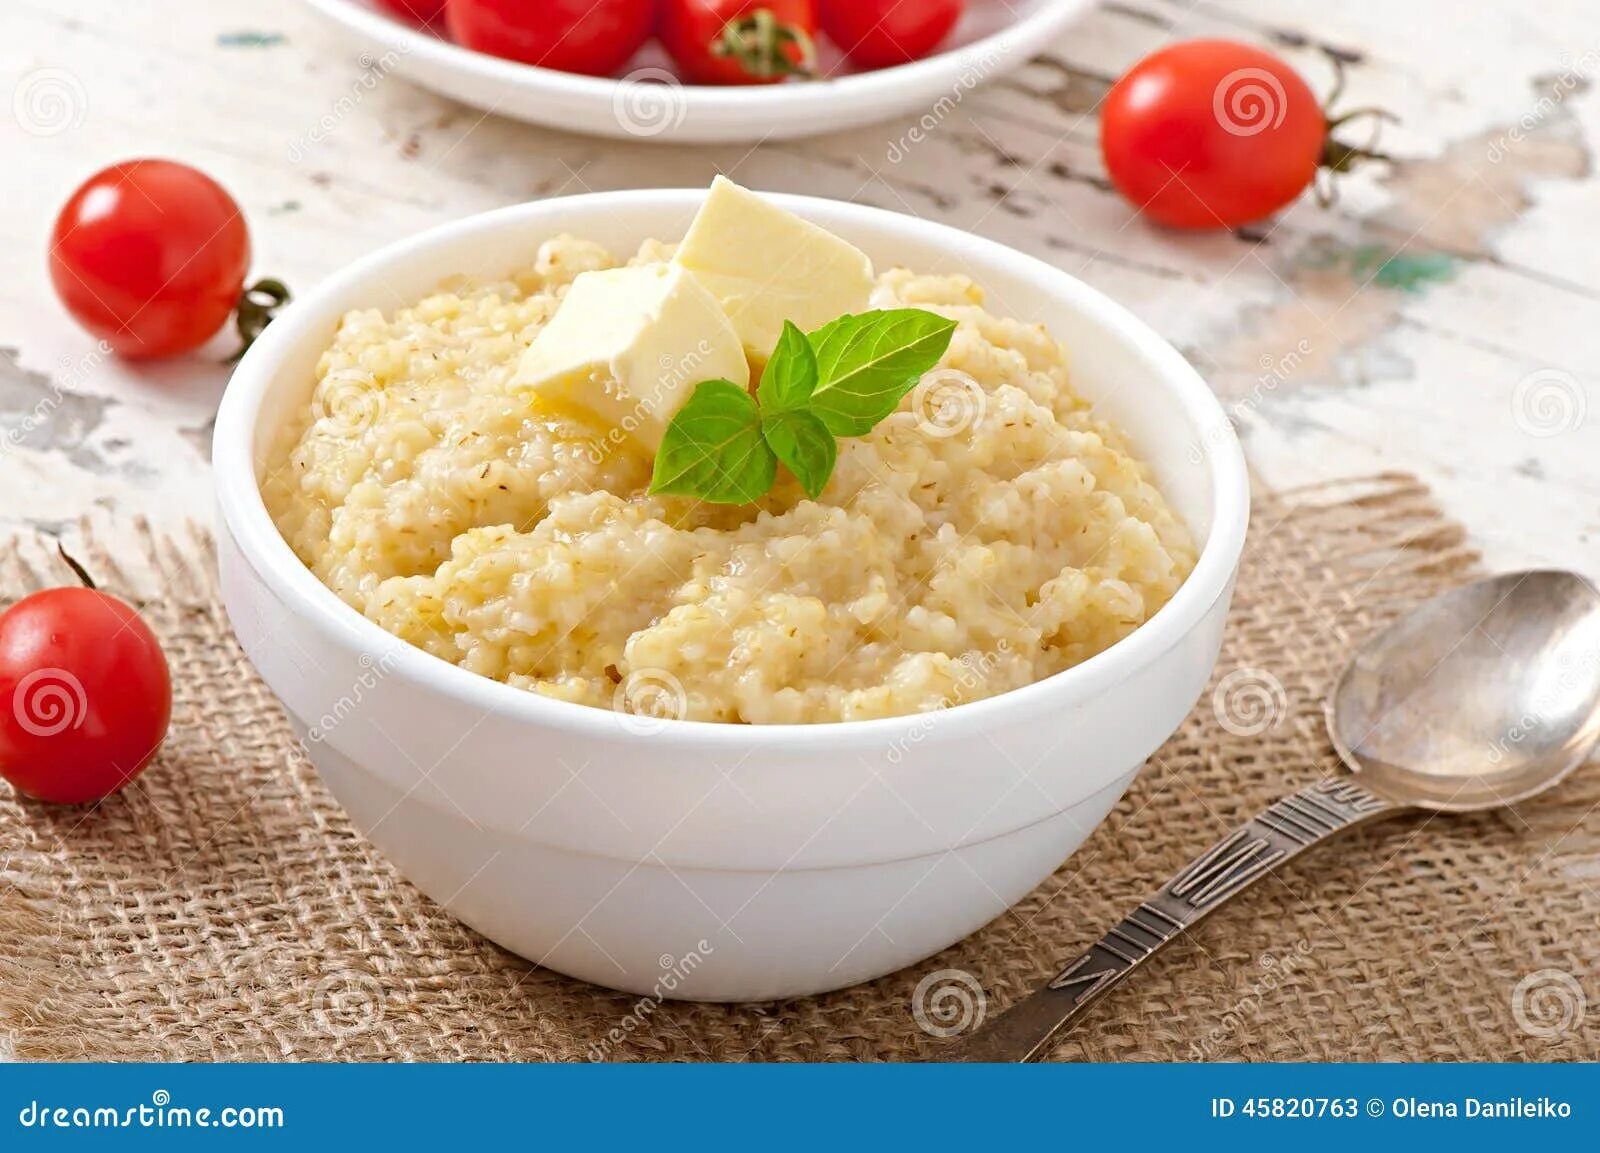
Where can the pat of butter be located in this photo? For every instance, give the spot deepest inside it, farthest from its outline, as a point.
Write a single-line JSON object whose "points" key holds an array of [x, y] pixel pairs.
{"points": [[765, 265], [628, 346]]}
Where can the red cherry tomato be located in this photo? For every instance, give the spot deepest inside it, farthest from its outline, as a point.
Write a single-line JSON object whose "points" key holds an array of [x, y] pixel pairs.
{"points": [[150, 256], [1211, 134], [85, 695], [414, 11], [596, 37], [883, 33], [740, 41]]}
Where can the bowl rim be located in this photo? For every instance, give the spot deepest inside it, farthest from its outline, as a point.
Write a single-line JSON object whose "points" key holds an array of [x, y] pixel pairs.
{"points": [[243, 513], [1036, 28]]}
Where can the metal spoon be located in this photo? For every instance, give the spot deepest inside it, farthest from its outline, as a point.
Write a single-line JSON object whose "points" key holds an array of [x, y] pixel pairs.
{"points": [[1481, 697]]}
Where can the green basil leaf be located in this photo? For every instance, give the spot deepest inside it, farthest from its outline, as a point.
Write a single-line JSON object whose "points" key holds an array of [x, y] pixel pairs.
{"points": [[867, 362], [713, 448], [791, 373], [803, 442]]}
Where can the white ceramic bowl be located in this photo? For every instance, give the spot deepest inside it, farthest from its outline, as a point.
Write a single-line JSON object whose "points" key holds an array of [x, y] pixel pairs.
{"points": [[728, 862], [647, 103]]}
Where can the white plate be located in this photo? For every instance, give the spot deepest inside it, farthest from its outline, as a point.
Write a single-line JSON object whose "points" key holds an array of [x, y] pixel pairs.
{"points": [[648, 103]]}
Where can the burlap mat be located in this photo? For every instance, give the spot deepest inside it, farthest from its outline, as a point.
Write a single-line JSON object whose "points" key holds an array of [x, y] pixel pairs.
{"points": [[224, 908]]}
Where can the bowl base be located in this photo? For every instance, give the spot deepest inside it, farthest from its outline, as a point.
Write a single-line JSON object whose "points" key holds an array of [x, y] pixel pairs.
{"points": [[668, 932]]}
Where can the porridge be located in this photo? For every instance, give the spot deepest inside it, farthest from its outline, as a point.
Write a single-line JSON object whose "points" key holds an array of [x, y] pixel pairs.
{"points": [[485, 482]]}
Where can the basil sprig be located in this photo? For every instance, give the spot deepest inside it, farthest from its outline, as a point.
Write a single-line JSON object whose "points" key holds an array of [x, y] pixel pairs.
{"points": [[724, 445], [713, 448]]}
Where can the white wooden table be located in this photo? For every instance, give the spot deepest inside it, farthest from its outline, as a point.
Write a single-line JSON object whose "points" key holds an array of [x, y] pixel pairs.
{"points": [[1443, 318]]}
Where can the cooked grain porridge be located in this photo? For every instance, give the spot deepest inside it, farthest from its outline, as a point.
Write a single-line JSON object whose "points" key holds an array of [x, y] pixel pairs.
{"points": [[989, 533]]}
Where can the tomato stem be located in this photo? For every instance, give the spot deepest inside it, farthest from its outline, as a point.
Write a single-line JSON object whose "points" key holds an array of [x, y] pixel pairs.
{"points": [[760, 43], [258, 304], [83, 573], [1338, 156], [1357, 113]]}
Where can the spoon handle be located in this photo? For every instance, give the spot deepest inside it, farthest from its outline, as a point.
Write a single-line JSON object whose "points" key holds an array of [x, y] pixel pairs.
{"points": [[1277, 834]]}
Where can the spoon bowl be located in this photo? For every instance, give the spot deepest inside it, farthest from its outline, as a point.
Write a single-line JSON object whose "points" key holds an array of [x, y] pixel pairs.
{"points": [[1481, 697]]}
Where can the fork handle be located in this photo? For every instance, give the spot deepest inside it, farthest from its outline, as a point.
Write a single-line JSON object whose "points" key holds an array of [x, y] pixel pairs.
{"points": [[1298, 822]]}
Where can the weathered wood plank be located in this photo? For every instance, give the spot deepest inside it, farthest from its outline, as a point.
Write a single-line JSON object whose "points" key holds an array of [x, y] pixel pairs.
{"points": [[1401, 328]]}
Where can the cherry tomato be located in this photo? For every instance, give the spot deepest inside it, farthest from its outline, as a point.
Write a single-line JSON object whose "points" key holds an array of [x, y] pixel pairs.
{"points": [[415, 11], [883, 33], [596, 37], [150, 256], [740, 41], [85, 695], [1211, 134]]}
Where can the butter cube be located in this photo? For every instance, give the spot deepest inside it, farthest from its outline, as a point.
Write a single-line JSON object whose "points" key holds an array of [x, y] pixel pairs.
{"points": [[765, 265], [627, 347]]}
